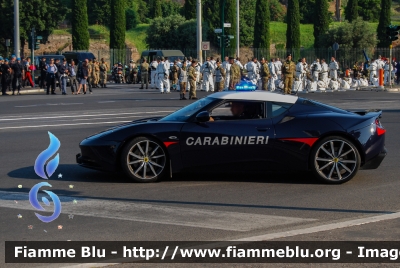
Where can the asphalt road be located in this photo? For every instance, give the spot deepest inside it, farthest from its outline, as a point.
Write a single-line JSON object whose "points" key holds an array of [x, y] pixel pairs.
{"points": [[187, 207]]}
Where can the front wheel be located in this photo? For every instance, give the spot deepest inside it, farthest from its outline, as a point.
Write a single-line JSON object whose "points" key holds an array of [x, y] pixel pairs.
{"points": [[144, 160], [335, 160]]}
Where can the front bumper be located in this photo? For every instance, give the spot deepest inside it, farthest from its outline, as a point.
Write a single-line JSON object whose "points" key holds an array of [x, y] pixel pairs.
{"points": [[100, 155], [376, 161]]}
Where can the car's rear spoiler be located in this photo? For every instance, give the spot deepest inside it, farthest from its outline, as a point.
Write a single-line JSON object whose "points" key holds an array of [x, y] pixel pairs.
{"points": [[371, 112]]}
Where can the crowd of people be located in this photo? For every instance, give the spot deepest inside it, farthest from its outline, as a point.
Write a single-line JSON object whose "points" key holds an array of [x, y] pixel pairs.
{"points": [[17, 74], [189, 75]]}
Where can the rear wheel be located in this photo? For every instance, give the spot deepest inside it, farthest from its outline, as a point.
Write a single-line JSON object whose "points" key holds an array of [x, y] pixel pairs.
{"points": [[335, 160], [144, 160]]}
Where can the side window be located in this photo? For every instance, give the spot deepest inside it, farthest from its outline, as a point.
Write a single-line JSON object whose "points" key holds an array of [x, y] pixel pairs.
{"points": [[238, 110], [277, 108]]}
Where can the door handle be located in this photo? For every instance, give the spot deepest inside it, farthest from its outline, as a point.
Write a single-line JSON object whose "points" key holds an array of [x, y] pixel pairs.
{"points": [[262, 129]]}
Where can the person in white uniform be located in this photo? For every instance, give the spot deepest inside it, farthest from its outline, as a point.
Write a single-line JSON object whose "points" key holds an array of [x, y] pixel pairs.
{"points": [[278, 65], [373, 71], [207, 71], [272, 71], [163, 80], [333, 68], [315, 70]]}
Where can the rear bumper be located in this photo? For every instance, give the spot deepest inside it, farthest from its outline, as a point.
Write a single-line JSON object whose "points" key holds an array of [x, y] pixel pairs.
{"points": [[376, 161]]}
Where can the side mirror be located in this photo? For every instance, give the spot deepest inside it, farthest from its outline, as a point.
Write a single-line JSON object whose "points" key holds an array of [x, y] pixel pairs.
{"points": [[203, 116]]}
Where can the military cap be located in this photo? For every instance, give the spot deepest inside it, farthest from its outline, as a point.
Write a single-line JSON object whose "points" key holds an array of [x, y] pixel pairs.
{"points": [[18, 58], [194, 60], [6, 60], [231, 58], [190, 58], [288, 55]]}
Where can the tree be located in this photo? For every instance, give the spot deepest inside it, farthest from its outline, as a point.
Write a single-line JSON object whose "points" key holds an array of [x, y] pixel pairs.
{"points": [[247, 19], [157, 9], [307, 8], [117, 25], [230, 16], [261, 26], [369, 10], [164, 32], [321, 21], [143, 10], [358, 34], [293, 26], [99, 12], [80, 33], [169, 8], [43, 15], [190, 9], [277, 12], [351, 10], [132, 18], [384, 21], [211, 18]]}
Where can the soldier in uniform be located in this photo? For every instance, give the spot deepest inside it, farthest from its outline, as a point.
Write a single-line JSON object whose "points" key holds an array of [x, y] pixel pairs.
{"points": [[96, 73], [144, 73], [355, 70], [90, 76], [174, 75], [265, 74], [192, 80], [234, 74], [103, 73], [182, 75], [219, 76], [288, 72]]}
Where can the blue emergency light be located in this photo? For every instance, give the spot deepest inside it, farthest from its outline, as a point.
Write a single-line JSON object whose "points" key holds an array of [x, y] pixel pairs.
{"points": [[246, 85]]}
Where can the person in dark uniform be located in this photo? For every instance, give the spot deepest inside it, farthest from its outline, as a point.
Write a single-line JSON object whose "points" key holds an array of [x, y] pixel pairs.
{"points": [[5, 74], [17, 69], [43, 71], [58, 75], [51, 70], [63, 71]]}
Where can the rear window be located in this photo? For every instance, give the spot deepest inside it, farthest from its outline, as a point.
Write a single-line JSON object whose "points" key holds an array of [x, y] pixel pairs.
{"points": [[328, 107]]}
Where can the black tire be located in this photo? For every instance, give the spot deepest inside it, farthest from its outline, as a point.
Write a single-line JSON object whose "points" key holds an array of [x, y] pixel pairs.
{"points": [[334, 160], [144, 159]]}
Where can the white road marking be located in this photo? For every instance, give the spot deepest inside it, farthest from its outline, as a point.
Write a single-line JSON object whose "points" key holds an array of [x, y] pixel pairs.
{"points": [[158, 214], [322, 228], [61, 125], [50, 104], [83, 115]]}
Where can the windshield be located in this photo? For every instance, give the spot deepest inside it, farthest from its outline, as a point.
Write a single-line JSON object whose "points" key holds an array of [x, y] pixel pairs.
{"points": [[186, 112]]}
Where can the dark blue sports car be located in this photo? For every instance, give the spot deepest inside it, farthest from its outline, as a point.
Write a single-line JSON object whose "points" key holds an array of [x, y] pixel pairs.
{"points": [[239, 131]]}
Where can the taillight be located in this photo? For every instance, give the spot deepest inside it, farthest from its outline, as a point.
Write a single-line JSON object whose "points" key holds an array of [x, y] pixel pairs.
{"points": [[379, 129]]}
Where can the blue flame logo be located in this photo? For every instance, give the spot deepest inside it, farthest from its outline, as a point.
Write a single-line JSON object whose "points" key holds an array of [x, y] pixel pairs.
{"points": [[44, 156], [40, 167], [35, 203]]}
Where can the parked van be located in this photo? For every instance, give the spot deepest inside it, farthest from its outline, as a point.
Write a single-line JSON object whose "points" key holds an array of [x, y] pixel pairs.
{"points": [[171, 54], [78, 56]]}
